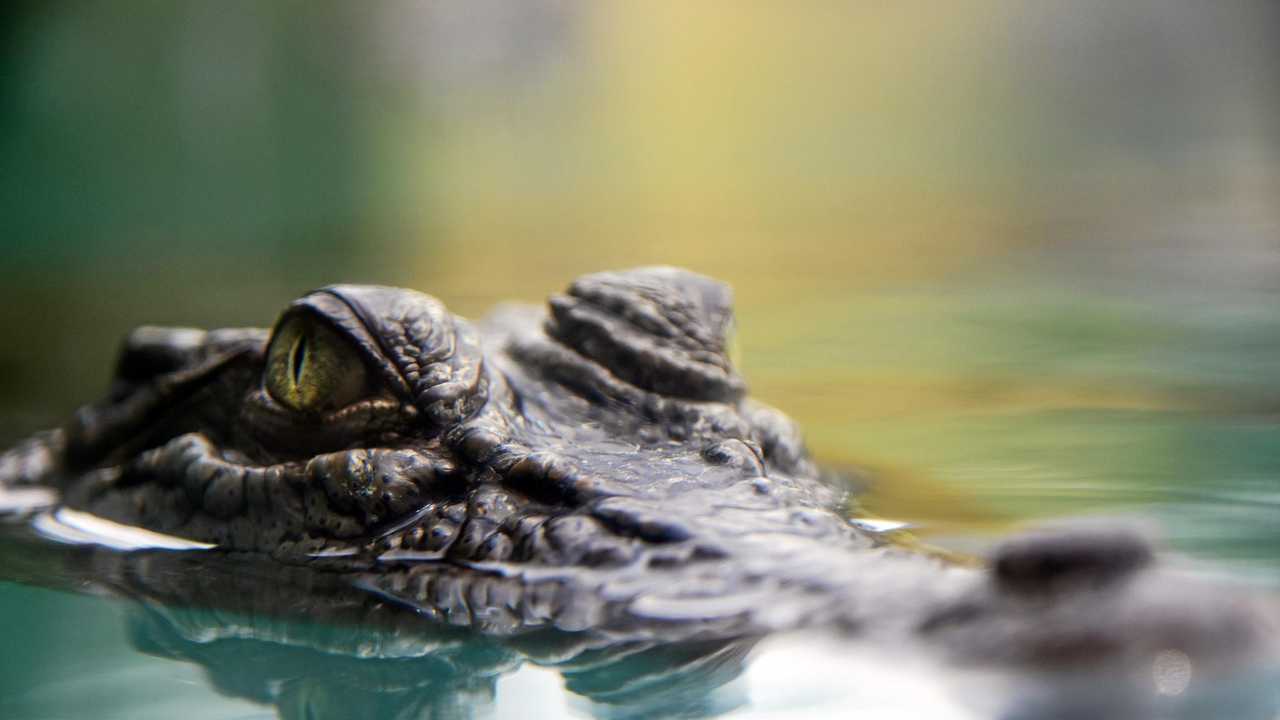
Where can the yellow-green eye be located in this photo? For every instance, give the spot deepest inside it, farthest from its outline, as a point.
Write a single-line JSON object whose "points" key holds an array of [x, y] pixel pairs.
{"points": [[310, 368]]}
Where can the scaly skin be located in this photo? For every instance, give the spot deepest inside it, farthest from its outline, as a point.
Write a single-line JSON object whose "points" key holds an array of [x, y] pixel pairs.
{"points": [[594, 467]]}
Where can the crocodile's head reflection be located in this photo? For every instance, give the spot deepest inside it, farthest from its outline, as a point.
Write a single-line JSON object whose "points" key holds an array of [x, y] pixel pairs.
{"points": [[342, 653], [455, 679]]}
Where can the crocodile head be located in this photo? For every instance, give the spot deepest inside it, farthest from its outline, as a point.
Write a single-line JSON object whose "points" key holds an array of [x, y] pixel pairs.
{"points": [[596, 464], [372, 422]]}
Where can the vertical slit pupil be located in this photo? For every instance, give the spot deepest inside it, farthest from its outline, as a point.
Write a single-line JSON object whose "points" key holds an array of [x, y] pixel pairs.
{"points": [[298, 357]]}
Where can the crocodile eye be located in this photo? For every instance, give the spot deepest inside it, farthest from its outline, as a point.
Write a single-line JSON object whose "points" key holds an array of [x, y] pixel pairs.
{"points": [[310, 368]]}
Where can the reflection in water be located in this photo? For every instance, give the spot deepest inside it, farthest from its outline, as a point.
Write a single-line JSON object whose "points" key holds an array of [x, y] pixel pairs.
{"points": [[314, 672], [314, 646], [448, 679]]}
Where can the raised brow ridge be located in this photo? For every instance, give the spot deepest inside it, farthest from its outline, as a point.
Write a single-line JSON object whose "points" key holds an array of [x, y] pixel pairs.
{"points": [[660, 329]]}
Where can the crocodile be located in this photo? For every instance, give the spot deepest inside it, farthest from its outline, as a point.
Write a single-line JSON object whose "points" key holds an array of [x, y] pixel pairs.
{"points": [[594, 465]]}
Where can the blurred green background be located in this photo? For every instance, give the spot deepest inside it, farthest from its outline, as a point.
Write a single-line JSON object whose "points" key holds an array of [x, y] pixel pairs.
{"points": [[1017, 259]]}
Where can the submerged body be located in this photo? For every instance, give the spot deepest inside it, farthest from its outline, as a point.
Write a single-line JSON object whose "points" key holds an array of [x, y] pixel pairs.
{"points": [[594, 466]]}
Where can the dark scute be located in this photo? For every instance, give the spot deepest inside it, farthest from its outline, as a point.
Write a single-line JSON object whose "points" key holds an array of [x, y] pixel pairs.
{"points": [[1053, 560], [628, 517], [661, 329], [691, 309]]}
